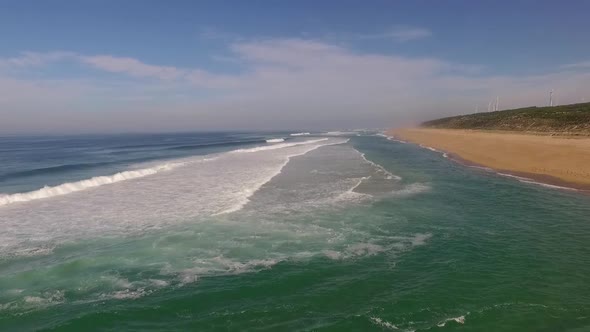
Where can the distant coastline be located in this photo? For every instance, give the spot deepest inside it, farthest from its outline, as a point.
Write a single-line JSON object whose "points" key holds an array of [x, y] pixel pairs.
{"points": [[545, 145], [564, 120]]}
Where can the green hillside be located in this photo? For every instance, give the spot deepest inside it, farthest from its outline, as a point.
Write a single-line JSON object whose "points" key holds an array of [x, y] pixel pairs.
{"points": [[571, 119]]}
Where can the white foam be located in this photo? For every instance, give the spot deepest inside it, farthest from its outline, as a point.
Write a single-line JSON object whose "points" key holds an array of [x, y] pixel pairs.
{"points": [[444, 154], [388, 174], [412, 189], [220, 265], [356, 250], [127, 294], [364, 249], [460, 320], [249, 191], [392, 138], [300, 134], [159, 283], [278, 146], [340, 133], [430, 148], [483, 168], [194, 192], [360, 181], [350, 195], [70, 187], [520, 178], [531, 181], [45, 299], [275, 140], [164, 224], [383, 323], [420, 239], [552, 186], [236, 267]]}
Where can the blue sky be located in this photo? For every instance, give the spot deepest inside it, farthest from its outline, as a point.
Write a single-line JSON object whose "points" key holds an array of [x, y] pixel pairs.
{"points": [[78, 66]]}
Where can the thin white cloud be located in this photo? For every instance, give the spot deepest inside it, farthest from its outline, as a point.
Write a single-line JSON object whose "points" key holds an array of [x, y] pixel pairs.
{"points": [[400, 34], [27, 59], [282, 83], [132, 67], [124, 65], [577, 65]]}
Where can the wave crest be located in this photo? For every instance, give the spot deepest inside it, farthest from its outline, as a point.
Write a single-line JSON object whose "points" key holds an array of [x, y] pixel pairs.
{"points": [[278, 146], [275, 140], [70, 187]]}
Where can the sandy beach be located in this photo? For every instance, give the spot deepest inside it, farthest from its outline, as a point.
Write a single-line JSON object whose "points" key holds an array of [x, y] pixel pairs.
{"points": [[556, 160]]}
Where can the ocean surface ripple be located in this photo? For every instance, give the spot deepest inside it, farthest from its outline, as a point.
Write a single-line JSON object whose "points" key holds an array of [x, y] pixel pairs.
{"points": [[340, 231]]}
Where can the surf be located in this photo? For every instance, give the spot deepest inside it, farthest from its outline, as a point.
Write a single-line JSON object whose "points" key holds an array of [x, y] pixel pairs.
{"points": [[275, 140], [76, 186], [72, 187]]}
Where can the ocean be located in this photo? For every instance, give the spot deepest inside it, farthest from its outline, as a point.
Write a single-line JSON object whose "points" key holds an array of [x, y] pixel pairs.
{"points": [[281, 231]]}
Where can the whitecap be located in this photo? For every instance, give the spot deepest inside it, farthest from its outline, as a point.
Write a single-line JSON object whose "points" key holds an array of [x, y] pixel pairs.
{"points": [[70, 187], [275, 140], [383, 323], [459, 319], [278, 146]]}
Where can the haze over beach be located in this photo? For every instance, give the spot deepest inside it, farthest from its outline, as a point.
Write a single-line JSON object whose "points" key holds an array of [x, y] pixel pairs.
{"points": [[294, 166]]}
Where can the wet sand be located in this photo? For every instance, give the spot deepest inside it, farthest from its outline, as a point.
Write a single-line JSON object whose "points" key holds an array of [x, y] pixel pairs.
{"points": [[556, 160]]}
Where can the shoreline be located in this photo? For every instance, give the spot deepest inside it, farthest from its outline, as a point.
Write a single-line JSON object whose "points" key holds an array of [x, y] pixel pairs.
{"points": [[468, 141], [539, 179]]}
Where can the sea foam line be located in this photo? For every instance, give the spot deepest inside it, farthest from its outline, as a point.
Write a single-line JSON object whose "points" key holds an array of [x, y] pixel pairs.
{"points": [[383, 323], [70, 187], [391, 138], [278, 146], [249, 192], [388, 174], [275, 140], [531, 181]]}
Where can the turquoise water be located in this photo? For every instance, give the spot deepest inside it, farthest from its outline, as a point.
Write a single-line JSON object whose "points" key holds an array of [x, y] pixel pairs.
{"points": [[326, 232]]}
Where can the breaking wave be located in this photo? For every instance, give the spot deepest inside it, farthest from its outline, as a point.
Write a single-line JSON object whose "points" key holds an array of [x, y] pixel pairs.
{"points": [[300, 134], [278, 146], [275, 140], [70, 187]]}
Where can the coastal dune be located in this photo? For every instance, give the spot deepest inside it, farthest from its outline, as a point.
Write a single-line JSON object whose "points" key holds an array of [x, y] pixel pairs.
{"points": [[557, 160]]}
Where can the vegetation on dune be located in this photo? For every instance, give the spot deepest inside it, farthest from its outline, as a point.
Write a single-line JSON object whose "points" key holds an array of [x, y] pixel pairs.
{"points": [[571, 119]]}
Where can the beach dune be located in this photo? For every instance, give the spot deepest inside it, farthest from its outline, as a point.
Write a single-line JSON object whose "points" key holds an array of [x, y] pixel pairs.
{"points": [[558, 160]]}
